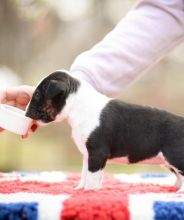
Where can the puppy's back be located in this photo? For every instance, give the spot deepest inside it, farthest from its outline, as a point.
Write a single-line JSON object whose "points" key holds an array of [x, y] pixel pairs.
{"points": [[138, 132]]}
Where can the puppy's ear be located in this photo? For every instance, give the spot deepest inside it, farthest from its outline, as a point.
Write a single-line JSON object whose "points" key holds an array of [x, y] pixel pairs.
{"points": [[55, 88]]}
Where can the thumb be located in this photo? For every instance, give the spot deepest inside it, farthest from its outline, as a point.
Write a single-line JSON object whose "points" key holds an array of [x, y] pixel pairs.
{"points": [[25, 136]]}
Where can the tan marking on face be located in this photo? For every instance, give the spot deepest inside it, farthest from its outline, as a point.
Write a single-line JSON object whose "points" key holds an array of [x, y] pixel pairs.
{"points": [[48, 108]]}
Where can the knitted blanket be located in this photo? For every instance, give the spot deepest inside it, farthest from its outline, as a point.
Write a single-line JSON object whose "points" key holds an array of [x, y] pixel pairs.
{"points": [[51, 196]]}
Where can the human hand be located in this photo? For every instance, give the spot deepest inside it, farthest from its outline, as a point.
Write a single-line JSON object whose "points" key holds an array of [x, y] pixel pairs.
{"points": [[19, 97]]}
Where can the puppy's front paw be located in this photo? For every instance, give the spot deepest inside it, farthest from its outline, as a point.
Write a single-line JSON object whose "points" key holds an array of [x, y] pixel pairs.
{"points": [[93, 180], [92, 187], [80, 186]]}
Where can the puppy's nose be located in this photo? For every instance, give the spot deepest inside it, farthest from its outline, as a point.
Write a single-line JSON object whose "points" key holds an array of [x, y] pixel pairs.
{"points": [[28, 113], [32, 115]]}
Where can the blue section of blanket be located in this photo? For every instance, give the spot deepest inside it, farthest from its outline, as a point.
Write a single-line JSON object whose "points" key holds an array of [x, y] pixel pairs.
{"points": [[153, 175], [171, 210], [18, 211]]}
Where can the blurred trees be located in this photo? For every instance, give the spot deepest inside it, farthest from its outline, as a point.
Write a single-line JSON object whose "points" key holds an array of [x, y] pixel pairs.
{"points": [[23, 36], [34, 31]]}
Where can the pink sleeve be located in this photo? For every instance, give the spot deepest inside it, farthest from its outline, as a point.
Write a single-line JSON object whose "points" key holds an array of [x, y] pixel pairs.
{"points": [[144, 36]]}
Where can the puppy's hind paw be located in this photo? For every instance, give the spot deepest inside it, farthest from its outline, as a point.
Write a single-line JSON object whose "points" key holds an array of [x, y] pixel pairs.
{"points": [[180, 190], [180, 184]]}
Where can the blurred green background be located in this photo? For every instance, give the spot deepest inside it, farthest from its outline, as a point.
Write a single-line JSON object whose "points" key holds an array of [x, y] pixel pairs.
{"points": [[39, 36]]}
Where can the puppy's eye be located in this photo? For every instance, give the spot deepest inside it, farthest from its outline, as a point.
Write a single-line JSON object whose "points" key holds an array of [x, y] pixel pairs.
{"points": [[37, 96]]}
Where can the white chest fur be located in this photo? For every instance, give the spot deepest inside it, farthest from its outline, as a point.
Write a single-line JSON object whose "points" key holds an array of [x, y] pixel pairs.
{"points": [[83, 110]]}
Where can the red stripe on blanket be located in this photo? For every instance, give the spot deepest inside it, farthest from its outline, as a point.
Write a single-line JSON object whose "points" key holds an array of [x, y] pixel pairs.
{"points": [[111, 202], [16, 186]]}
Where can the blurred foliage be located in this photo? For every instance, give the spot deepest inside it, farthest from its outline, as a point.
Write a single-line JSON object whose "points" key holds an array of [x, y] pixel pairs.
{"points": [[40, 36]]}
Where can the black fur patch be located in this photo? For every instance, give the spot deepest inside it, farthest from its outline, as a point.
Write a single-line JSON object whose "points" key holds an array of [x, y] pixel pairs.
{"points": [[50, 96], [137, 132]]}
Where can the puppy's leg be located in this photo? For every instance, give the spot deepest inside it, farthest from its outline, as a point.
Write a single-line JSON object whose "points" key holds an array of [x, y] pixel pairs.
{"points": [[181, 189], [179, 183], [94, 180], [175, 157], [96, 164], [179, 177], [84, 173]]}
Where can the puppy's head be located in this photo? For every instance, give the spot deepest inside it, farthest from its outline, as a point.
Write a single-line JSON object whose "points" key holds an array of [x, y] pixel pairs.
{"points": [[50, 96]]}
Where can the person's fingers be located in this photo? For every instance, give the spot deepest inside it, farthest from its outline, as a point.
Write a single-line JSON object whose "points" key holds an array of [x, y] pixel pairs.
{"points": [[24, 95], [32, 129], [24, 91], [27, 89], [25, 136], [22, 101], [9, 94], [20, 106], [2, 95], [10, 102]]}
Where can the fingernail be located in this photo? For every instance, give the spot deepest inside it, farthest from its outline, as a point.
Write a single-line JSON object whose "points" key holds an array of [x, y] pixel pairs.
{"points": [[34, 127], [1, 129]]}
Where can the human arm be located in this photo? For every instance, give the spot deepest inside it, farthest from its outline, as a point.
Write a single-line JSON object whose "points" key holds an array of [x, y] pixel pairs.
{"points": [[145, 35]]}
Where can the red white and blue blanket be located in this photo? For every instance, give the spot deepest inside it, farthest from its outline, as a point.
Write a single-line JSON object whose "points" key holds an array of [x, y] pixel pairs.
{"points": [[51, 196]]}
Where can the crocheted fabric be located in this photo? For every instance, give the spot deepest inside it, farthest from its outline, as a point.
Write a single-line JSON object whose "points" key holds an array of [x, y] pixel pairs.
{"points": [[51, 195]]}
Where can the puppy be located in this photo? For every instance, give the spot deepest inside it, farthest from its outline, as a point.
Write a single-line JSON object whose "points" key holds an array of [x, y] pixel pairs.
{"points": [[105, 128]]}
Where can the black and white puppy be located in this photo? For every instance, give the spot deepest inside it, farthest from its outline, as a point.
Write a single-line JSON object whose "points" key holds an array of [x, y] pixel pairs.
{"points": [[105, 128]]}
